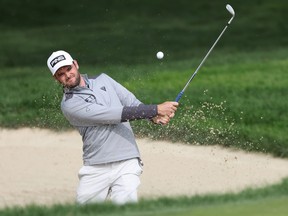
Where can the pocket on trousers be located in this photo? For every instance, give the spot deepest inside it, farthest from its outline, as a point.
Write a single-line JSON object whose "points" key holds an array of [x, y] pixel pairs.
{"points": [[86, 170], [140, 165]]}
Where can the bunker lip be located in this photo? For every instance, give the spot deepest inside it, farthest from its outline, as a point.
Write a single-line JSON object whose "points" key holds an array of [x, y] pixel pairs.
{"points": [[40, 167]]}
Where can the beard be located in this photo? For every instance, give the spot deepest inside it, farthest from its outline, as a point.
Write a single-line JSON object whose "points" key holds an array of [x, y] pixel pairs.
{"points": [[72, 84]]}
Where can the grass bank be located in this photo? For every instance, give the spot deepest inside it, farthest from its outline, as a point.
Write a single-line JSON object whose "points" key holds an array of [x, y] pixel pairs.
{"points": [[265, 201]]}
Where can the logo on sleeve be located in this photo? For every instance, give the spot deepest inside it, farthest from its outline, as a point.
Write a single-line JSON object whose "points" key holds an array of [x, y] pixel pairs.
{"points": [[57, 59], [103, 88]]}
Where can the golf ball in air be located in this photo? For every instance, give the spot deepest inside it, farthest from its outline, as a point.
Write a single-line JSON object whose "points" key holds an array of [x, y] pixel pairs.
{"points": [[160, 55]]}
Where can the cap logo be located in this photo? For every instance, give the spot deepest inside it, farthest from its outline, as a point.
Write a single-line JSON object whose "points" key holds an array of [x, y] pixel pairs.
{"points": [[57, 59]]}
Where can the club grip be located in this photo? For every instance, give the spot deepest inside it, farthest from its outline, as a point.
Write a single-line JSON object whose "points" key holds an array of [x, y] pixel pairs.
{"points": [[179, 96]]}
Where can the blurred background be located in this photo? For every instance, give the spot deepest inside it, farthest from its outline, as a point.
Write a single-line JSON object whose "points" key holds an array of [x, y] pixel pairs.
{"points": [[130, 32]]}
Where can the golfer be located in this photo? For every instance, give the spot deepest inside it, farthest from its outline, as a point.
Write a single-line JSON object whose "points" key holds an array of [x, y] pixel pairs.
{"points": [[100, 109]]}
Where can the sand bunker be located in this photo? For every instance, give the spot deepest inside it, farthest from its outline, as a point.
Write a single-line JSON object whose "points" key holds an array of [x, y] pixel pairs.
{"points": [[40, 166]]}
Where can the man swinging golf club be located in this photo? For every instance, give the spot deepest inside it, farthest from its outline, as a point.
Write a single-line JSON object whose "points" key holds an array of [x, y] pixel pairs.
{"points": [[100, 109]]}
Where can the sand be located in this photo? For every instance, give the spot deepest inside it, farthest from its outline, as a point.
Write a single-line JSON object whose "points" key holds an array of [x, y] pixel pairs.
{"points": [[40, 167]]}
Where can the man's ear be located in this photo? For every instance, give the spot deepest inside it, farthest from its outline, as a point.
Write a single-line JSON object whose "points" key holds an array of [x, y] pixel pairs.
{"points": [[55, 77], [56, 80], [76, 64]]}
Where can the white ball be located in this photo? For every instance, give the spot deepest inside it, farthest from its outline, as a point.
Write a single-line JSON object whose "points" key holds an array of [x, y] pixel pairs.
{"points": [[160, 55]]}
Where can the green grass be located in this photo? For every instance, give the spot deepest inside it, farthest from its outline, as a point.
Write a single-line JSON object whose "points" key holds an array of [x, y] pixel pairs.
{"points": [[262, 207]]}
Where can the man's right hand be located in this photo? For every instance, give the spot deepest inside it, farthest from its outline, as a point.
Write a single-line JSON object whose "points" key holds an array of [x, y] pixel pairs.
{"points": [[167, 108], [166, 111]]}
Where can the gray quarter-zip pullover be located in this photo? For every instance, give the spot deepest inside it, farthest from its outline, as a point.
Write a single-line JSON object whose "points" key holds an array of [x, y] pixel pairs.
{"points": [[101, 112]]}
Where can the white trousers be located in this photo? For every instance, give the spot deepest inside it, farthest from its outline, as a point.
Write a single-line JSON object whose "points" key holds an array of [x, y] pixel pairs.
{"points": [[117, 181]]}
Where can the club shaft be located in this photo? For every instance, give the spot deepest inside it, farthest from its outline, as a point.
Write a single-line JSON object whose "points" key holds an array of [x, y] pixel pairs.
{"points": [[203, 60]]}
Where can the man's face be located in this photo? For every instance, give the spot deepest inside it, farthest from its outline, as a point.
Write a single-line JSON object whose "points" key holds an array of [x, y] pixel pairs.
{"points": [[69, 75]]}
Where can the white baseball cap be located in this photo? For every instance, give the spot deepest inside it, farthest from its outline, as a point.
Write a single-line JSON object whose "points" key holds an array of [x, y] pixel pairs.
{"points": [[57, 60]]}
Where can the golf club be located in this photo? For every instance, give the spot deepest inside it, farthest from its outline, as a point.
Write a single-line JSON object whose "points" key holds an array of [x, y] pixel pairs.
{"points": [[232, 12]]}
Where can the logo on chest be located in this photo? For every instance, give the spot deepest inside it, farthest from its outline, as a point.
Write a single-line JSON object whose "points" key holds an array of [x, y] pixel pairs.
{"points": [[90, 99]]}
